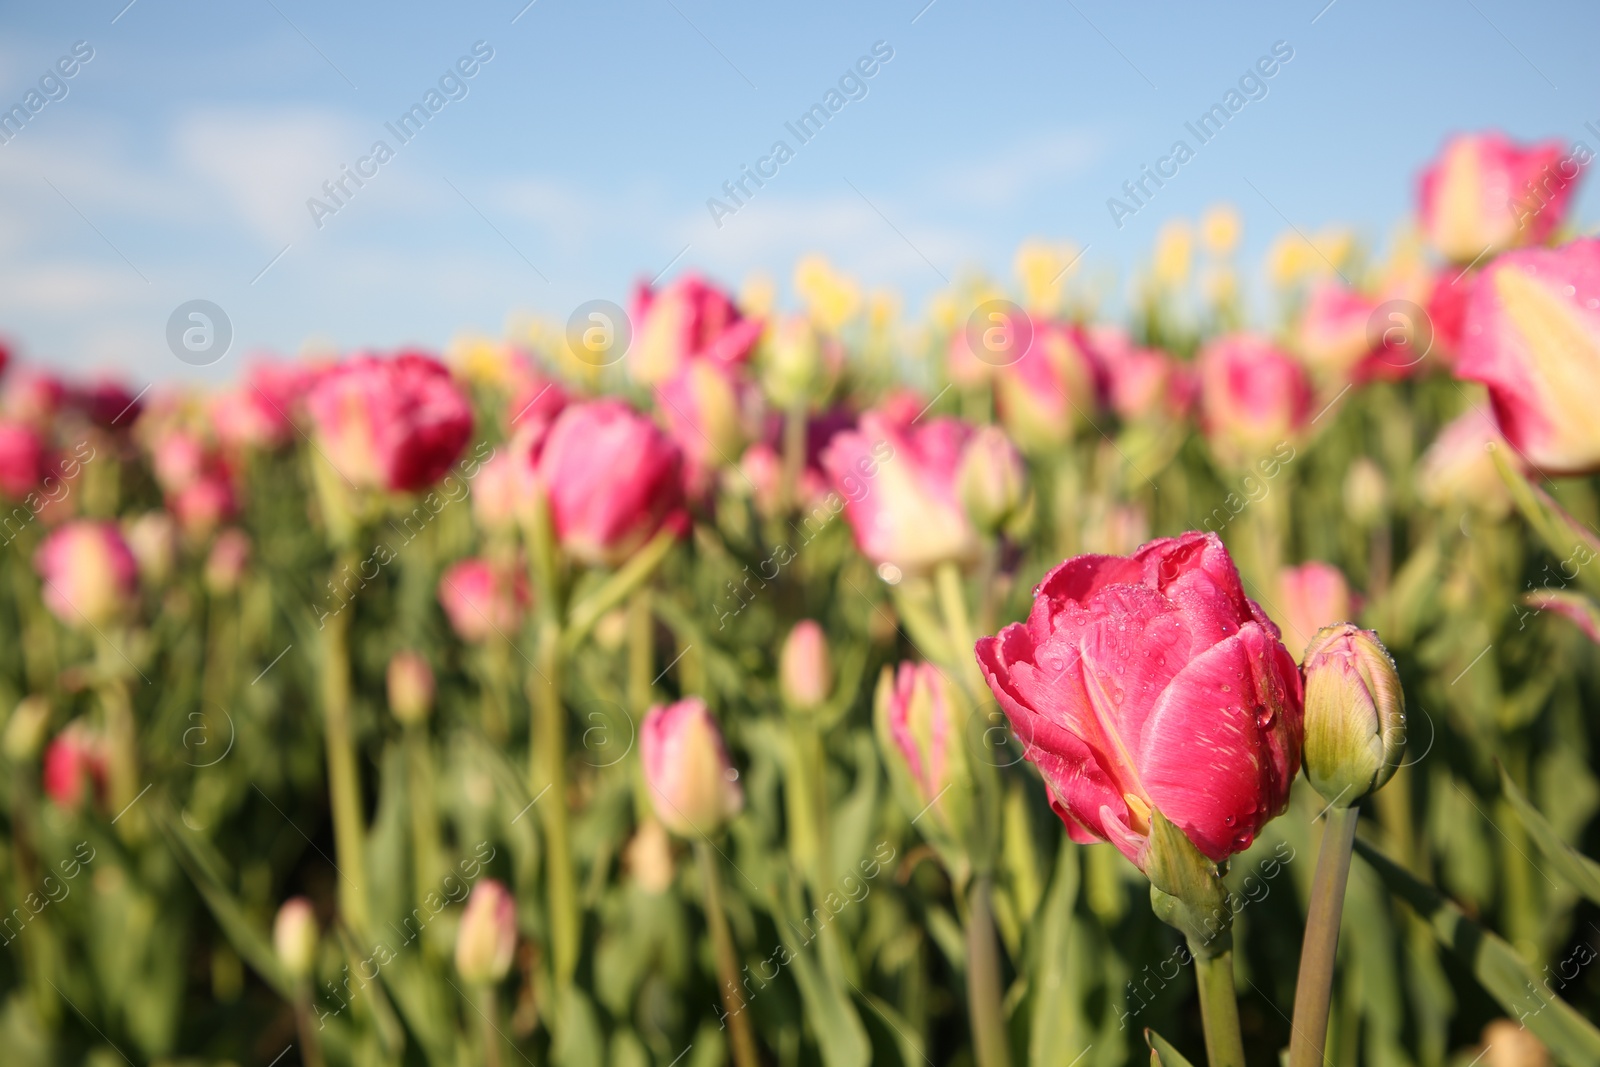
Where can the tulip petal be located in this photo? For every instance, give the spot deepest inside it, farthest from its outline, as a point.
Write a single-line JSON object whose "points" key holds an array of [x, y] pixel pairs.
{"points": [[1218, 753]]}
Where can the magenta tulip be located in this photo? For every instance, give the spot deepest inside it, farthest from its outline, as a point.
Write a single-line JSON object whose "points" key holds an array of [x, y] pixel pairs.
{"points": [[1253, 396], [612, 479], [1053, 389], [395, 424], [1533, 337], [1152, 683], [22, 459]]}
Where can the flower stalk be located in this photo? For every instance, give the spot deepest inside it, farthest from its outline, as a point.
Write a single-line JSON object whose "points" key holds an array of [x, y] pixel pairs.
{"points": [[741, 1037], [1314, 986]]}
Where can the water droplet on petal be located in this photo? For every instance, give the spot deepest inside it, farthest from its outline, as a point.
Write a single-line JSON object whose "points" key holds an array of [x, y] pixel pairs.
{"points": [[731, 774], [1228, 820], [1227, 689]]}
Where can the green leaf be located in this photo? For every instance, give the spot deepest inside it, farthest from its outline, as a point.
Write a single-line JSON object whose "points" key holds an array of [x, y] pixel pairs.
{"points": [[1562, 534], [1496, 966], [1162, 1054], [203, 867], [1580, 870], [1057, 1007]]}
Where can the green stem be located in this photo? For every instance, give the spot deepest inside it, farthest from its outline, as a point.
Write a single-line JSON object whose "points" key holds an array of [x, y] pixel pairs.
{"points": [[794, 458], [988, 1017], [958, 624], [740, 1035], [424, 814], [547, 772], [487, 1010], [1314, 988], [310, 1047], [807, 814], [1219, 1007], [632, 574], [641, 652], [344, 781]]}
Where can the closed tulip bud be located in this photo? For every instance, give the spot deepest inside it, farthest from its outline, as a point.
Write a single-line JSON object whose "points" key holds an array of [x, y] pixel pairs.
{"points": [[992, 480], [919, 718], [25, 729], [692, 784], [1355, 714], [88, 573], [1052, 389], [153, 540], [487, 937], [648, 856], [800, 365], [1457, 470], [294, 936], [75, 766], [410, 687], [226, 562], [706, 406], [1366, 492], [805, 669], [495, 491]]}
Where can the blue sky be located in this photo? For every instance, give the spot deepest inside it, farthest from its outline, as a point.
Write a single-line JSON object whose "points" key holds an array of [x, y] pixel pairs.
{"points": [[179, 162]]}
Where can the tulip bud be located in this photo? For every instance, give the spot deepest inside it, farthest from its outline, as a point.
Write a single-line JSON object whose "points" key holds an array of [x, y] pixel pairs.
{"points": [[693, 786], [74, 766], [410, 688], [919, 717], [487, 937], [649, 858], [805, 669], [1355, 714], [25, 729], [226, 562], [482, 600], [992, 480], [153, 540], [1366, 492], [22, 459], [1310, 597], [294, 935], [800, 364], [88, 573]]}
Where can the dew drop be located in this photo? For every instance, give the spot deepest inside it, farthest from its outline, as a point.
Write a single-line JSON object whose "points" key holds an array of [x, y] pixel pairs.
{"points": [[1242, 842], [1570, 290], [731, 774], [1264, 716], [1117, 696], [1227, 688], [1229, 820]]}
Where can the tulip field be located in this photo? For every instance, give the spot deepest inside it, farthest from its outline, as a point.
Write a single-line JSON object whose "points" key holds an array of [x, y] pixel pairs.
{"points": [[1201, 676]]}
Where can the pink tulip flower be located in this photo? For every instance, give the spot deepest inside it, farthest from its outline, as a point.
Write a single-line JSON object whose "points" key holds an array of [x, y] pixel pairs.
{"points": [[688, 318], [22, 459], [612, 479], [1152, 683], [395, 424], [482, 601], [1485, 194], [900, 488], [88, 573], [1311, 596], [1533, 337], [1253, 396]]}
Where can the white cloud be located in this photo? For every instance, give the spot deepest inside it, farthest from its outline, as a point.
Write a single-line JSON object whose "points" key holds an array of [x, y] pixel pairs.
{"points": [[1003, 176], [266, 163]]}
